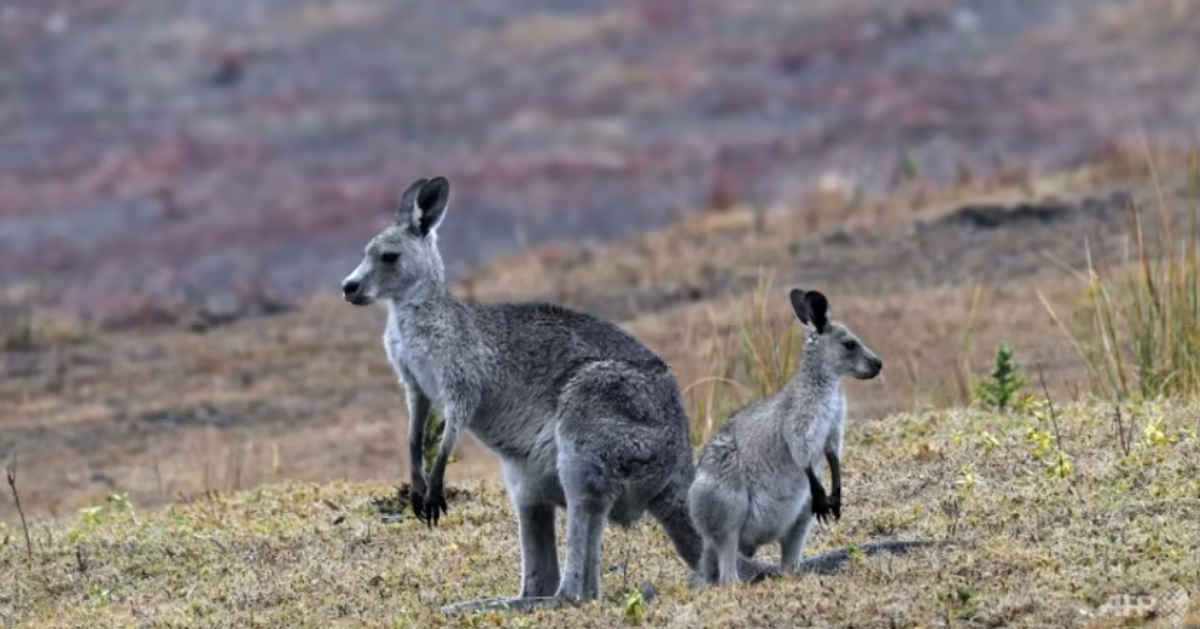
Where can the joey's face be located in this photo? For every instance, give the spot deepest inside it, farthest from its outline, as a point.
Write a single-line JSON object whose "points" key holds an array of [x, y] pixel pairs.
{"points": [[848, 354], [839, 348], [403, 258]]}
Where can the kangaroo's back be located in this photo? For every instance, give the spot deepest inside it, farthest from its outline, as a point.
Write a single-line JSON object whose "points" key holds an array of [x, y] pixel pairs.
{"points": [[531, 328]]}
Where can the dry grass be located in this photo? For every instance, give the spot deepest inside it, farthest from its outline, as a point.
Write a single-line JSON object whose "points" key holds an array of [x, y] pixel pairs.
{"points": [[1052, 512], [1144, 334], [308, 395], [1034, 548]]}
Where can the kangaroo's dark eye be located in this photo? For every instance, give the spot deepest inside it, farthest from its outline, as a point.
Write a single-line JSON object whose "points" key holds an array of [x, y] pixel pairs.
{"points": [[850, 345], [389, 257]]}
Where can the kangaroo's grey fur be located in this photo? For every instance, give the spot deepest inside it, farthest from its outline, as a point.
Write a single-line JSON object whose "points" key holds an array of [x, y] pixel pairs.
{"points": [[758, 478], [581, 415]]}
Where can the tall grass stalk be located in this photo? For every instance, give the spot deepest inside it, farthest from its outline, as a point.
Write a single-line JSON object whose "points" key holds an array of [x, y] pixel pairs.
{"points": [[1143, 338], [769, 344], [756, 361]]}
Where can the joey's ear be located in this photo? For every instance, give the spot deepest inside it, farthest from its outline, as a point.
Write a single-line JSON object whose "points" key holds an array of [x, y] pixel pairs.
{"points": [[800, 306], [811, 308], [423, 205]]}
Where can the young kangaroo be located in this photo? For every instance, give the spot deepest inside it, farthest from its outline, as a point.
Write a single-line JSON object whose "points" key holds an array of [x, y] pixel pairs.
{"points": [[758, 479], [581, 415]]}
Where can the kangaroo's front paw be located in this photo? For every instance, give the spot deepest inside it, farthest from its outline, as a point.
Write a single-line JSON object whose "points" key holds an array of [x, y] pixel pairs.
{"points": [[835, 504], [434, 505], [822, 506], [416, 496]]}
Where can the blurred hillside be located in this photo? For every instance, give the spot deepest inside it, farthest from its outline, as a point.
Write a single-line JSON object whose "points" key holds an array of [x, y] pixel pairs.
{"points": [[211, 149]]}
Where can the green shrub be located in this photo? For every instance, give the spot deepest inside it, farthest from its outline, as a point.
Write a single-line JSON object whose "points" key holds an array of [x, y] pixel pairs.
{"points": [[999, 389]]}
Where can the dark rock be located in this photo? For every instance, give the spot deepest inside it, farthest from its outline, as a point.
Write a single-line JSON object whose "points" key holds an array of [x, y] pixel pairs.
{"points": [[976, 217]]}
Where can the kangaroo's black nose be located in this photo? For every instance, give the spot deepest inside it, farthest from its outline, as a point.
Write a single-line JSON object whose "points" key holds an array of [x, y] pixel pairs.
{"points": [[349, 287]]}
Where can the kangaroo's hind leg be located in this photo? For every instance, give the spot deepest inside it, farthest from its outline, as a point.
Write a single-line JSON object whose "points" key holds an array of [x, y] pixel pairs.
{"points": [[535, 519], [539, 551], [792, 545], [590, 496]]}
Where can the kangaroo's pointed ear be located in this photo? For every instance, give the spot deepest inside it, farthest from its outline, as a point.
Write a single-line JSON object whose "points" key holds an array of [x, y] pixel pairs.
{"points": [[408, 200], [423, 205], [819, 306], [811, 308], [800, 306]]}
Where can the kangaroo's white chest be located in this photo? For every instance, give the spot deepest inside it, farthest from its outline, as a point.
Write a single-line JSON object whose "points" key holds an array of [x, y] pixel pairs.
{"points": [[413, 358]]}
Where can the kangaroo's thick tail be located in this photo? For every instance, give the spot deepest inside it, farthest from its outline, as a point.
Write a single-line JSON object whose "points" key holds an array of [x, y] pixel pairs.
{"points": [[832, 561]]}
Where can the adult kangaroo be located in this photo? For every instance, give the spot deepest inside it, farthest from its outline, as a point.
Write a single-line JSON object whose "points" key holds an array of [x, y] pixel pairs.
{"points": [[581, 414]]}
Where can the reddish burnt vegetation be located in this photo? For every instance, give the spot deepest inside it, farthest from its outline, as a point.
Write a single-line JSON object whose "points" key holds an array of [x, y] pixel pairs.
{"points": [[195, 147]]}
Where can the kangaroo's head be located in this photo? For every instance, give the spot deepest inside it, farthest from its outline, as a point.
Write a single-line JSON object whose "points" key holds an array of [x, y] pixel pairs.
{"points": [[835, 345], [403, 260]]}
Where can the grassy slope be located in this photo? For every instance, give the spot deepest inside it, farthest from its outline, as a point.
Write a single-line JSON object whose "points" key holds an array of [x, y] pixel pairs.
{"points": [[309, 396], [1035, 550]]}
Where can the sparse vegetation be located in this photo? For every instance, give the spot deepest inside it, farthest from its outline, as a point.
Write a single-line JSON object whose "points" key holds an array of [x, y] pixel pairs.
{"points": [[1067, 478], [752, 363], [769, 342], [27, 330], [1142, 339], [1034, 550], [1057, 508]]}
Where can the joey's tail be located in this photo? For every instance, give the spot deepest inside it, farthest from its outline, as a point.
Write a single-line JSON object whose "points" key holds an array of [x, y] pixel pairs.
{"points": [[832, 561]]}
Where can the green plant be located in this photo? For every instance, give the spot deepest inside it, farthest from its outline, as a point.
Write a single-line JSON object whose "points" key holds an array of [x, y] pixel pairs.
{"points": [[98, 594], [1044, 434], [1060, 466], [966, 478], [1003, 383], [1143, 334], [1153, 434], [92, 515], [21, 334], [433, 437], [957, 601], [523, 623], [907, 168], [634, 605], [988, 442], [120, 501], [31, 330]]}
